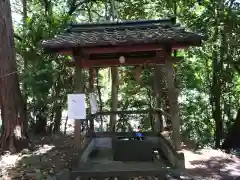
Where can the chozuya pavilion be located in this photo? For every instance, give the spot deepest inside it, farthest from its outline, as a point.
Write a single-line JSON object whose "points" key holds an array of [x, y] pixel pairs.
{"points": [[128, 43]]}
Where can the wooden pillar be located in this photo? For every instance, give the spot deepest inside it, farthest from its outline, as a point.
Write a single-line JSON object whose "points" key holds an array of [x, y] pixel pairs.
{"points": [[114, 97], [173, 99], [159, 86], [78, 88], [91, 86]]}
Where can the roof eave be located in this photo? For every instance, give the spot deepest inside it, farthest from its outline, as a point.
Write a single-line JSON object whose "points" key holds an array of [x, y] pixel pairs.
{"points": [[61, 48]]}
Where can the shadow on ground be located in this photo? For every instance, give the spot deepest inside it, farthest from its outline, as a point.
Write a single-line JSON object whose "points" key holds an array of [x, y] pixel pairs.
{"points": [[56, 153], [53, 154], [215, 168]]}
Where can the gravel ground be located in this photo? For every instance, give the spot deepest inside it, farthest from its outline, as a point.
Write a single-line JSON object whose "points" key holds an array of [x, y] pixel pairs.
{"points": [[55, 154]]}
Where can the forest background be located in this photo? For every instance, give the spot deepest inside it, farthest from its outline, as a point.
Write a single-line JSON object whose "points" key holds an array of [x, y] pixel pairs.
{"points": [[208, 78]]}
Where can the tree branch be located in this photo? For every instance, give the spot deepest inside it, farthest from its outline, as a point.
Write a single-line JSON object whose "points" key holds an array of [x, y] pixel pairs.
{"points": [[74, 6], [97, 13], [17, 37], [46, 5], [237, 67]]}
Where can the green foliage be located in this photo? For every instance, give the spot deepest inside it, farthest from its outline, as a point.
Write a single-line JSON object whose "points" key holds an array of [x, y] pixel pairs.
{"points": [[45, 79]]}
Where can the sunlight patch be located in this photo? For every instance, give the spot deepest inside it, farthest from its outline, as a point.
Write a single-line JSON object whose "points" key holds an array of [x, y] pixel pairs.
{"points": [[43, 149]]}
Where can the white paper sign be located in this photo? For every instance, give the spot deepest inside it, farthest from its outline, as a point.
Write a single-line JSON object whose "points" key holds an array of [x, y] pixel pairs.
{"points": [[76, 106], [93, 103]]}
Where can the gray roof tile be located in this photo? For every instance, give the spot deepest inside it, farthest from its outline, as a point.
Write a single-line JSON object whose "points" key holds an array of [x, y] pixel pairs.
{"points": [[122, 33]]}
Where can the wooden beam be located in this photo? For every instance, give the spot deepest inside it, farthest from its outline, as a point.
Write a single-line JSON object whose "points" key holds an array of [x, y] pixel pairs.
{"points": [[122, 49], [115, 62], [127, 49], [144, 111], [122, 134]]}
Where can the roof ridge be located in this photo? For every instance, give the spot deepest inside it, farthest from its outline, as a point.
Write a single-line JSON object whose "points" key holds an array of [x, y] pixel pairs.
{"points": [[127, 22], [132, 27]]}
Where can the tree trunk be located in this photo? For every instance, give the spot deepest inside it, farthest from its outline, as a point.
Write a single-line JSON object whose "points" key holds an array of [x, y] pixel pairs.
{"points": [[24, 6], [58, 118], [2, 127], [57, 108], [12, 102], [216, 93], [40, 127], [65, 125], [50, 128], [231, 141], [1, 109]]}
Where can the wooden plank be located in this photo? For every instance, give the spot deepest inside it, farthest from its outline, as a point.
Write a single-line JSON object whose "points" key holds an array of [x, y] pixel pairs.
{"points": [[127, 134]]}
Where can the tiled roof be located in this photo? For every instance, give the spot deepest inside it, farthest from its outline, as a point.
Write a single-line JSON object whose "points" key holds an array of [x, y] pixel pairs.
{"points": [[122, 33]]}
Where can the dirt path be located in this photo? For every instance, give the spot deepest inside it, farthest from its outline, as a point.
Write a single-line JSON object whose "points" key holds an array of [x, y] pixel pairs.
{"points": [[56, 153], [212, 164]]}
